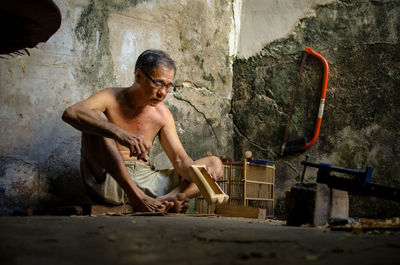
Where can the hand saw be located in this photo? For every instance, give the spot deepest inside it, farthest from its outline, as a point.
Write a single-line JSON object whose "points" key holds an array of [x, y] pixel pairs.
{"points": [[290, 150]]}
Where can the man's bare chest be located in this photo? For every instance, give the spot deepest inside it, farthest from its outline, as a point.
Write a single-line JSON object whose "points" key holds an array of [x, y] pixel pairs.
{"points": [[147, 124]]}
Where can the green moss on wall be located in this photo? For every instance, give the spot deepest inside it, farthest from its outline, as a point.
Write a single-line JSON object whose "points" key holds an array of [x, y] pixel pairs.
{"points": [[209, 78], [361, 42]]}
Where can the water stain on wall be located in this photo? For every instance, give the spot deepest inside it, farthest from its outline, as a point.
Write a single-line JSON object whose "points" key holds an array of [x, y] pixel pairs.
{"points": [[95, 64]]}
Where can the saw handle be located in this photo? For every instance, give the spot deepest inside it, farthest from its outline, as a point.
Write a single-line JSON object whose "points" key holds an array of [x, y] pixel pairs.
{"points": [[323, 95]]}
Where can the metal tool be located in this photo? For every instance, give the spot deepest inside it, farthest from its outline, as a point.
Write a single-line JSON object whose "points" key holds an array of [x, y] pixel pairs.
{"points": [[296, 92], [293, 148], [304, 170], [359, 184]]}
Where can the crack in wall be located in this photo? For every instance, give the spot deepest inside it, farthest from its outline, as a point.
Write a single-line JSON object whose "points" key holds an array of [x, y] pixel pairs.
{"points": [[16, 159], [191, 84], [250, 141], [202, 114], [291, 166]]}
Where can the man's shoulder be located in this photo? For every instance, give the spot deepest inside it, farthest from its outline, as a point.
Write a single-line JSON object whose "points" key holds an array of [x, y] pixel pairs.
{"points": [[163, 110], [103, 99], [105, 92], [112, 91], [108, 94]]}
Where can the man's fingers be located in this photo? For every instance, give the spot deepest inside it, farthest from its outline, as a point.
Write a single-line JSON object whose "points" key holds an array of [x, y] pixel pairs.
{"points": [[139, 150], [132, 148], [143, 149], [144, 157], [135, 150], [211, 173], [145, 154]]}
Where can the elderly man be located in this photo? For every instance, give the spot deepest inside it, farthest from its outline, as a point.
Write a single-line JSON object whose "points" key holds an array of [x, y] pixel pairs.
{"points": [[118, 128]]}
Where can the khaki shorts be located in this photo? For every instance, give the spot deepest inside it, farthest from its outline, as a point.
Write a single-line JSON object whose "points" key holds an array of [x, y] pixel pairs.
{"points": [[152, 182]]}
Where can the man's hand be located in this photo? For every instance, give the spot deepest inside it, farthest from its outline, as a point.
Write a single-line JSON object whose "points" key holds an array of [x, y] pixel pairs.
{"points": [[136, 145], [212, 173]]}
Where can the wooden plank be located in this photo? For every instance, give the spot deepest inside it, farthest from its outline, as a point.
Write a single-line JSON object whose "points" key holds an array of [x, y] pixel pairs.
{"points": [[230, 183], [244, 183], [258, 199], [240, 211], [97, 209], [235, 163], [259, 182], [210, 191]]}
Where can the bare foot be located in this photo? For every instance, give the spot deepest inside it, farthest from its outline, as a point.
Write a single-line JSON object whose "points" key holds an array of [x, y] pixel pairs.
{"points": [[145, 203], [180, 203]]}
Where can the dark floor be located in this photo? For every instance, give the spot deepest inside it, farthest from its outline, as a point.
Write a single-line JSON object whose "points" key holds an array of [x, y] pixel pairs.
{"points": [[184, 240]]}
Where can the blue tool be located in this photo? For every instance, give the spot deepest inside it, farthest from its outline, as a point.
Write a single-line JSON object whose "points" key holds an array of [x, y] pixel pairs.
{"points": [[359, 184]]}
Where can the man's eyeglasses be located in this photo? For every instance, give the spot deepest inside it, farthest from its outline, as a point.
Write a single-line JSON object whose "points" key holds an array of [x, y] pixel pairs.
{"points": [[159, 84]]}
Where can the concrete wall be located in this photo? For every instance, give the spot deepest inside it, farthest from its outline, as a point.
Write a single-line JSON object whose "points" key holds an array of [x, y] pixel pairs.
{"points": [[237, 63], [96, 47], [361, 42]]}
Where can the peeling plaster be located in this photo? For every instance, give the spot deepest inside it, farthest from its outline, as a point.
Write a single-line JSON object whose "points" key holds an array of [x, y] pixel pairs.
{"points": [[266, 21], [236, 6], [127, 58]]}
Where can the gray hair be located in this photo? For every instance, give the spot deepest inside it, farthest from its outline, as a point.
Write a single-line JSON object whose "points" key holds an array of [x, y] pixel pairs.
{"points": [[151, 58]]}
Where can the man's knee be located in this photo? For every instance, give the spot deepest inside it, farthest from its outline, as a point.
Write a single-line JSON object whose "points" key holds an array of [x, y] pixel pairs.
{"points": [[213, 164], [216, 163], [219, 166]]}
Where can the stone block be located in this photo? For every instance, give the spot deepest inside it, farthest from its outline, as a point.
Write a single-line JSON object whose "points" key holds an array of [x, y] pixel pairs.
{"points": [[339, 204], [314, 204]]}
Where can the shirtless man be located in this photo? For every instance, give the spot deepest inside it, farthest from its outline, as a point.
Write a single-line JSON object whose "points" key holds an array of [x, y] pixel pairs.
{"points": [[118, 128]]}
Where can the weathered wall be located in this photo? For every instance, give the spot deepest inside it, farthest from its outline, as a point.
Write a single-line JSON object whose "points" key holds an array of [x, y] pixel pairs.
{"points": [[96, 47], [361, 42], [265, 21], [99, 41]]}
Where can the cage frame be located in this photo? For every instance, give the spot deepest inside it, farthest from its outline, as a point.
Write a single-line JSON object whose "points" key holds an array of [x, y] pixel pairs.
{"points": [[231, 186]]}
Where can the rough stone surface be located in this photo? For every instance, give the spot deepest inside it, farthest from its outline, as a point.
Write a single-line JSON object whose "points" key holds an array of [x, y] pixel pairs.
{"points": [[61, 178], [184, 240], [309, 203], [360, 40], [21, 191], [339, 204], [314, 204]]}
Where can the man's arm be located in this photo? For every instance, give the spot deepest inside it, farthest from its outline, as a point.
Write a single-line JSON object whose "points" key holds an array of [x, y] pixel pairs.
{"points": [[173, 148], [88, 116]]}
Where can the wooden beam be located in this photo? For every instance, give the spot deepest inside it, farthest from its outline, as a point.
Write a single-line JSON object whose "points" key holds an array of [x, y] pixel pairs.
{"points": [[240, 211], [100, 210]]}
